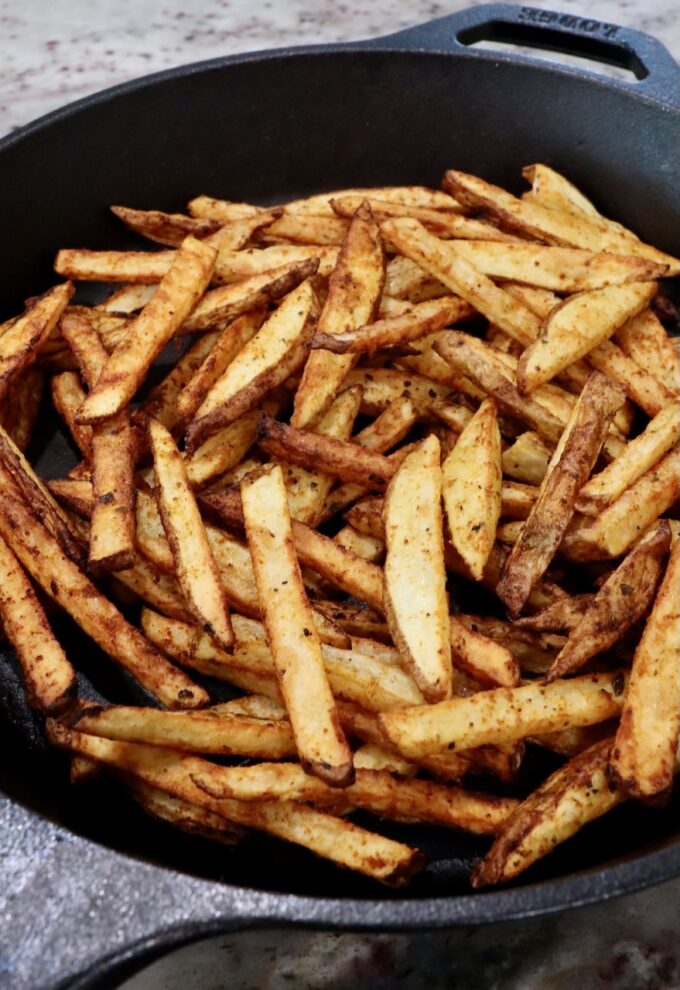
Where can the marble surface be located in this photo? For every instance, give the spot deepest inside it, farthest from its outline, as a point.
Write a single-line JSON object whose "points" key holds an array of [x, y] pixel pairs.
{"points": [[59, 51]]}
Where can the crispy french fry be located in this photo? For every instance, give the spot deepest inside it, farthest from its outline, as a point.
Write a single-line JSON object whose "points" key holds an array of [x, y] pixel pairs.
{"points": [[471, 488], [205, 207], [488, 662], [274, 353], [354, 291], [197, 571], [67, 397], [153, 587], [578, 325], [568, 470], [182, 814], [368, 547], [295, 645], [406, 284], [233, 266], [553, 190], [20, 410], [564, 614], [127, 299], [645, 341], [414, 594], [20, 344], [526, 459], [164, 228], [48, 565], [333, 838], [222, 451], [307, 229], [414, 196], [621, 601], [382, 386], [533, 651], [371, 756], [643, 755], [574, 795], [504, 715]]}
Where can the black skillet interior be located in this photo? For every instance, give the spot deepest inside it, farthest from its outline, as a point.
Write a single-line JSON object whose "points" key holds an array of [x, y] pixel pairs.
{"points": [[270, 127]]}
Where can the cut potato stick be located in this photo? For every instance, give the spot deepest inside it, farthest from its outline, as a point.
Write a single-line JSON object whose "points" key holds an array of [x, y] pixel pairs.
{"points": [[578, 325], [152, 587], [172, 302], [553, 190], [368, 547], [414, 196], [414, 594], [127, 299], [274, 353], [504, 715], [112, 522], [559, 269], [445, 222], [645, 341], [640, 386], [641, 454], [382, 386], [577, 793], [222, 451], [49, 676], [371, 756], [440, 259], [471, 488], [196, 568], [407, 284], [564, 614], [20, 344], [20, 411], [60, 578], [224, 210], [252, 705], [192, 732], [339, 565], [67, 398], [161, 402], [551, 226], [621, 601], [295, 645], [234, 266], [332, 838], [643, 756], [308, 229], [374, 790], [571, 464], [526, 459], [182, 814], [354, 291], [489, 663], [164, 228]]}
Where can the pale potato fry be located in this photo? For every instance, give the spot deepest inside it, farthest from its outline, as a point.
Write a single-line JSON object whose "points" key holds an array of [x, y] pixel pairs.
{"points": [[641, 454], [333, 838], [415, 196], [21, 343], [127, 299], [223, 451], [471, 488], [430, 365], [371, 756], [572, 796], [553, 190], [67, 398], [295, 645], [441, 260], [60, 578], [274, 353], [382, 386], [578, 325], [354, 292], [645, 341], [504, 715], [197, 571], [192, 732], [621, 601], [305, 229], [368, 547], [643, 755], [570, 466], [234, 266], [407, 284], [640, 386], [172, 302], [164, 228], [205, 207], [415, 600], [527, 458], [253, 705], [551, 226]]}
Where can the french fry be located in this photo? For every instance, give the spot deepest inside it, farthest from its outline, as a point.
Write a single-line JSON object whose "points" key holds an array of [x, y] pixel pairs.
{"points": [[169, 229], [67, 397], [42, 557], [551, 226], [571, 464], [233, 266], [127, 299], [471, 488], [253, 705], [488, 662], [355, 619], [640, 386], [223, 450], [20, 344], [223, 210], [413, 196], [572, 796], [307, 229], [414, 594], [621, 601], [553, 190], [445, 223], [368, 547], [50, 678], [578, 325], [533, 651], [343, 568], [374, 790], [174, 299], [527, 458], [641, 454], [153, 587], [354, 291], [274, 353], [643, 755], [371, 756], [197, 571], [295, 645], [645, 341], [383, 386], [191, 732], [20, 411], [564, 614], [333, 838], [182, 814], [112, 522], [407, 284], [504, 715]]}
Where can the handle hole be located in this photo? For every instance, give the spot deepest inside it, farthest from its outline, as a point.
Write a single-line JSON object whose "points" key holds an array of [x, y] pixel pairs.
{"points": [[581, 50]]}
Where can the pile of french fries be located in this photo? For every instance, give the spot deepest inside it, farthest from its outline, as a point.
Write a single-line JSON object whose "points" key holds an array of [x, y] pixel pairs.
{"points": [[386, 394]]}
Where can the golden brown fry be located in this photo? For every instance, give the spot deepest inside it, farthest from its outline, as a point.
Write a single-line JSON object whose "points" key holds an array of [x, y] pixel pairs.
{"points": [[172, 302], [196, 568], [182, 814], [48, 565], [164, 228], [21, 407], [67, 398], [643, 755], [205, 207], [295, 645], [504, 715], [553, 190], [564, 614], [471, 488], [274, 353], [415, 600], [571, 797], [223, 451], [571, 464], [414, 196], [622, 600], [368, 547], [640, 386], [127, 299], [21, 342], [527, 458], [308, 229], [645, 341], [354, 291], [488, 662]]}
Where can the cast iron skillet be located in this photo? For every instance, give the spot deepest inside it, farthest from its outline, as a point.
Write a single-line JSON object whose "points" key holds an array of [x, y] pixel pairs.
{"points": [[265, 127]]}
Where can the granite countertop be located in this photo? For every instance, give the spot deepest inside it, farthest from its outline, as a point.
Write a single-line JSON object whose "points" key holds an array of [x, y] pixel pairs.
{"points": [[56, 52]]}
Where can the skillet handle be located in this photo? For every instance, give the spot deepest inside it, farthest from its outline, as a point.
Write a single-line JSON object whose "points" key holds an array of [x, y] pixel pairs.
{"points": [[656, 72]]}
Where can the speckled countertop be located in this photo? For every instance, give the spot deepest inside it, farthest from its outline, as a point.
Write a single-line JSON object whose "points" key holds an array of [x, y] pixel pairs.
{"points": [[55, 51]]}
